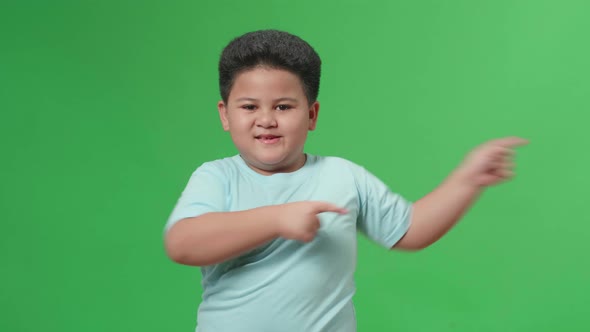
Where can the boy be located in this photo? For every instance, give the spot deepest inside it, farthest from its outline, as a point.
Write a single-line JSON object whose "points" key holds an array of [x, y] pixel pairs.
{"points": [[273, 228]]}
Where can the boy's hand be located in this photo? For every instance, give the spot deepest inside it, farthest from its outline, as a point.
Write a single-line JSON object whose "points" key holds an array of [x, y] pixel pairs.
{"points": [[299, 220], [490, 163]]}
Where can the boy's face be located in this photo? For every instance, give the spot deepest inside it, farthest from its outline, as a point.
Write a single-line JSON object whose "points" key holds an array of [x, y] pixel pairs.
{"points": [[268, 117]]}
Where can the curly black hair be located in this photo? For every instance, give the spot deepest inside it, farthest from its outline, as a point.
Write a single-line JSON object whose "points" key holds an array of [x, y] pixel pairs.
{"points": [[274, 49]]}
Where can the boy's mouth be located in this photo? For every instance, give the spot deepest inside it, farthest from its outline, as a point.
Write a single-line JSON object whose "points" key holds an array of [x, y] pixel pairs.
{"points": [[268, 139]]}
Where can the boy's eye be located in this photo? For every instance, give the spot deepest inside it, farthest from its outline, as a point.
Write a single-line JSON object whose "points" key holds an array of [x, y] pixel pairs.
{"points": [[249, 107], [283, 107]]}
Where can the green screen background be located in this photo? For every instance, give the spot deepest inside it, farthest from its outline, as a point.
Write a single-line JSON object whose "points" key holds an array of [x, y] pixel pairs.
{"points": [[108, 106]]}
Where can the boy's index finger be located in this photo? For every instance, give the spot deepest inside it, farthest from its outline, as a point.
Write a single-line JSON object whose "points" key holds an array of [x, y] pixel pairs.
{"points": [[511, 142], [320, 207]]}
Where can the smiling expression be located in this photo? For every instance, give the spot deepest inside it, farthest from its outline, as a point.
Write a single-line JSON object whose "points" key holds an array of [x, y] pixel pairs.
{"points": [[268, 117]]}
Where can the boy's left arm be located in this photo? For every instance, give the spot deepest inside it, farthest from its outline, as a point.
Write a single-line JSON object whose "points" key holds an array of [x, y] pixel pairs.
{"points": [[436, 213]]}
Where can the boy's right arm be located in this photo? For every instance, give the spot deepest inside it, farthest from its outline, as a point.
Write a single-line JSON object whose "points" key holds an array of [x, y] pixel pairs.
{"points": [[215, 237]]}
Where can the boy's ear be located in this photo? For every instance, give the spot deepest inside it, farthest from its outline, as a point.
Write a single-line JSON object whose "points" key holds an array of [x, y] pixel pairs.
{"points": [[314, 110], [223, 115]]}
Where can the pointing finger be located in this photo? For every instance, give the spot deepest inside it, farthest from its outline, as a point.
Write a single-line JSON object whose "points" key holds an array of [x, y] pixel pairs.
{"points": [[510, 142], [320, 207]]}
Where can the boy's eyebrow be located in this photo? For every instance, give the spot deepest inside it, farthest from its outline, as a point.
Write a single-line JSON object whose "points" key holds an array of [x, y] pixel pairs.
{"points": [[276, 100]]}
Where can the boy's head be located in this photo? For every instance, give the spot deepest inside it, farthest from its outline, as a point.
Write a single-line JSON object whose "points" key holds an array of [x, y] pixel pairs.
{"points": [[269, 83], [271, 49]]}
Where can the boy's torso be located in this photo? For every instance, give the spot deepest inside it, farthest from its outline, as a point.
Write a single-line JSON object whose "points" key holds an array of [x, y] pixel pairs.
{"points": [[287, 285]]}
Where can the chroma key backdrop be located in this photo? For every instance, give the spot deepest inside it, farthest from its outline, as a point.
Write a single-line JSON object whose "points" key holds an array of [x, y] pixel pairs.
{"points": [[107, 107]]}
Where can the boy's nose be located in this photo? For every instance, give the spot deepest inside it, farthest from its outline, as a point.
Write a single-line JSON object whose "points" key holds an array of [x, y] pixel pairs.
{"points": [[266, 119]]}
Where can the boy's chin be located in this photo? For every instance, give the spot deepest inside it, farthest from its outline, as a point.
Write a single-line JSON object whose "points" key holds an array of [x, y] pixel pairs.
{"points": [[271, 164], [274, 163]]}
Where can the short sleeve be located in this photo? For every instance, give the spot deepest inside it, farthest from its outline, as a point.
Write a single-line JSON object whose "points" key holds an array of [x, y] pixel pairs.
{"points": [[384, 216], [205, 192]]}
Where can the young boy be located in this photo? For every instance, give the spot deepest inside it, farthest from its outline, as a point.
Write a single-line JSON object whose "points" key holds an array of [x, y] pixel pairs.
{"points": [[273, 228]]}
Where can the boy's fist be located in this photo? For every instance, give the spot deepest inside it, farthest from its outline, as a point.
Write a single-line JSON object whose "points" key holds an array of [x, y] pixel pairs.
{"points": [[299, 220], [491, 162]]}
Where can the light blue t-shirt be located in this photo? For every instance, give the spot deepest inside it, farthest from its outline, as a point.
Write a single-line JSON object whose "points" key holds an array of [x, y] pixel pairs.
{"points": [[287, 285]]}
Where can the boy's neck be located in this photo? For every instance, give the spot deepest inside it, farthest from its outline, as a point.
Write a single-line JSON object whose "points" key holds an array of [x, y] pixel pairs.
{"points": [[294, 167]]}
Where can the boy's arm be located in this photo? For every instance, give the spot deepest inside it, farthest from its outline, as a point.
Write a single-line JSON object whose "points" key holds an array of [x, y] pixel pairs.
{"points": [[215, 237], [436, 213]]}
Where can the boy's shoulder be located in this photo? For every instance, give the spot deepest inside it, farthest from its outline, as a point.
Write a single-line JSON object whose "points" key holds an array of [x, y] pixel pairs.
{"points": [[218, 167], [339, 162], [222, 162]]}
